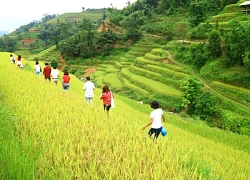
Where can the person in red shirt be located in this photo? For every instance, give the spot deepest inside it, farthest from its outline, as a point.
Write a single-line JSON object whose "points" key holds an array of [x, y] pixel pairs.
{"points": [[47, 71], [106, 97], [19, 61], [65, 81]]}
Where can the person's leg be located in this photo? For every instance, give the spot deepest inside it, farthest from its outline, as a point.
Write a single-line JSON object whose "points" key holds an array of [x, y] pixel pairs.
{"points": [[63, 87], [157, 132], [91, 100], [108, 107], [150, 132]]}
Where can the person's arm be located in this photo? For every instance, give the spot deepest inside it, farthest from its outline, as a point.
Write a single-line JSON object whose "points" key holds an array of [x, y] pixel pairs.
{"points": [[148, 124], [163, 118], [102, 96]]}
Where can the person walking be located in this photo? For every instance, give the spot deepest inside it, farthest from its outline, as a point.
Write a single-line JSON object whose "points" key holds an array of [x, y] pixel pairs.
{"points": [[47, 71], [19, 61], [89, 87], [37, 69], [65, 81], [12, 59], [106, 96], [156, 117], [54, 75]]}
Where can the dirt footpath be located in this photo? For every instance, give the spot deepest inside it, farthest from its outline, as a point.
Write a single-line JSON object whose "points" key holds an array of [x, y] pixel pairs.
{"points": [[89, 71]]}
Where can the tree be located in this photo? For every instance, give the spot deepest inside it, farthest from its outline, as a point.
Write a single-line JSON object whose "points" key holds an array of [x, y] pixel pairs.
{"points": [[237, 42], [133, 34], [191, 89], [181, 29], [197, 12], [205, 107], [198, 55], [163, 5], [54, 63], [214, 46]]}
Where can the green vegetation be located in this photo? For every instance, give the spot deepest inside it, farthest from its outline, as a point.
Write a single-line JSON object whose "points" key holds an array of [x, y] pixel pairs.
{"points": [[113, 81], [17, 159]]}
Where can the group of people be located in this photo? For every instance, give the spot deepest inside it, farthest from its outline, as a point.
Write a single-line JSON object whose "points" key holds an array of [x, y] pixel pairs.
{"points": [[52, 75], [156, 116], [18, 60], [106, 95]]}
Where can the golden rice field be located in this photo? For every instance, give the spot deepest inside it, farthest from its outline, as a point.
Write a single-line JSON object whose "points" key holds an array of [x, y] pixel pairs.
{"points": [[68, 139]]}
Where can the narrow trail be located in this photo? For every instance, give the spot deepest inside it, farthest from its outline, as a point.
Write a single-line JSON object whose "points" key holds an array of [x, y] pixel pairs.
{"points": [[89, 71], [63, 63], [206, 86]]}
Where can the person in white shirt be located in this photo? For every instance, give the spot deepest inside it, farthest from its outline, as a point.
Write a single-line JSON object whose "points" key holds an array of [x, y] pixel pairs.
{"points": [[12, 59], [37, 69], [54, 75], [89, 87], [155, 120]]}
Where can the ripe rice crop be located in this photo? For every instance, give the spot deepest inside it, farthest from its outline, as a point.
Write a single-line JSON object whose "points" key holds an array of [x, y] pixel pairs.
{"points": [[69, 139]]}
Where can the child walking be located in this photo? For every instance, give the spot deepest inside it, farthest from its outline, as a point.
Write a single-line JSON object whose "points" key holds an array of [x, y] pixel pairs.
{"points": [[155, 120], [37, 69], [106, 97], [65, 81]]}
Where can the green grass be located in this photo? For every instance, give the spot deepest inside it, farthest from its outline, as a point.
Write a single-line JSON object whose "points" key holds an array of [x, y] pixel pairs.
{"points": [[150, 85], [113, 81], [237, 94], [231, 87], [17, 161], [118, 65], [41, 54], [67, 17], [141, 61], [134, 87], [166, 72], [27, 35], [153, 57], [109, 68], [159, 52], [98, 81], [99, 73], [136, 53], [226, 16], [144, 72]]}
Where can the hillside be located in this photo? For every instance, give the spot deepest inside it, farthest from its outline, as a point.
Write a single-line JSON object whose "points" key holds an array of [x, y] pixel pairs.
{"points": [[73, 140], [40, 35], [146, 52]]}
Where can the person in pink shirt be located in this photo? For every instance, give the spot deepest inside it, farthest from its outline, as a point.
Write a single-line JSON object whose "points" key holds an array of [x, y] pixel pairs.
{"points": [[106, 97]]}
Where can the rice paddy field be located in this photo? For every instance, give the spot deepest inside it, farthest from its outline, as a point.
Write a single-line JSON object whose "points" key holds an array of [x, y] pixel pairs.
{"points": [[46, 133]]}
